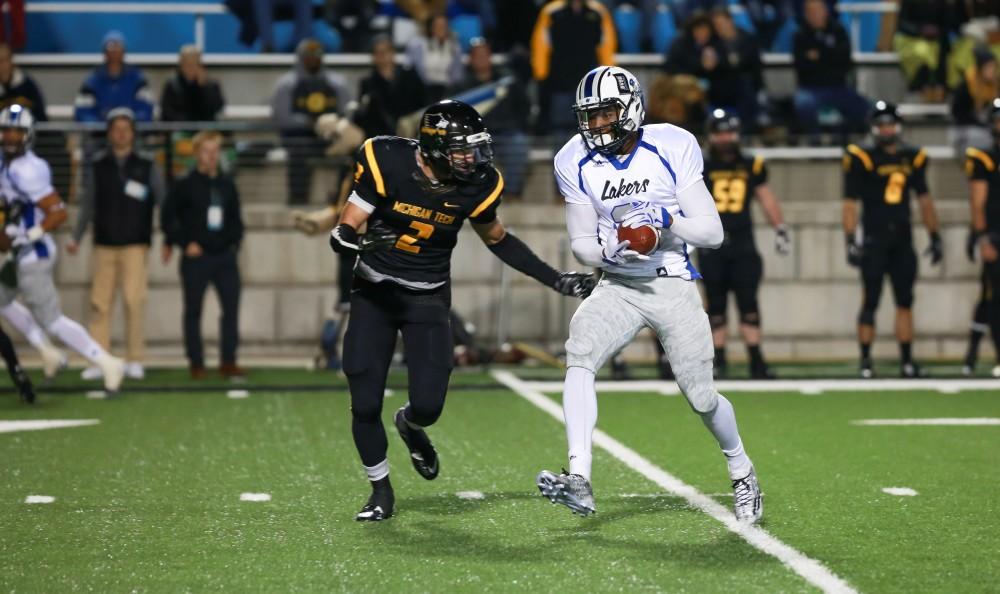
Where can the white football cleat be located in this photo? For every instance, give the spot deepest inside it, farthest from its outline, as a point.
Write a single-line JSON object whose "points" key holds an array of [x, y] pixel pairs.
{"points": [[571, 490], [113, 371], [135, 370], [53, 360], [996, 371], [91, 373], [748, 502]]}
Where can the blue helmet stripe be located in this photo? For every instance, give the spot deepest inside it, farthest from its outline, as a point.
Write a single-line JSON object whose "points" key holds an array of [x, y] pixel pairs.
{"points": [[588, 90]]}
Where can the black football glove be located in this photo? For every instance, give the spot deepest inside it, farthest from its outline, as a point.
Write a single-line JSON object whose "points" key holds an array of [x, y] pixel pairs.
{"points": [[855, 252], [345, 239], [575, 284], [935, 251]]}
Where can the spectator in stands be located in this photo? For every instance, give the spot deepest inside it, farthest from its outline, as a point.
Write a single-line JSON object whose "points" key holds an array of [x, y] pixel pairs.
{"points": [[970, 105], [685, 10], [263, 11], [922, 41], [190, 96], [300, 97], [389, 92], [739, 85], [768, 17], [437, 57], [18, 87], [15, 12], [121, 192], [507, 120], [979, 26], [571, 37], [698, 52], [421, 11], [822, 54], [114, 84], [202, 217]]}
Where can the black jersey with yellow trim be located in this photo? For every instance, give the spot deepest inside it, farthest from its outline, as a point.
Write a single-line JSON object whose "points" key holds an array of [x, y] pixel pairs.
{"points": [[883, 182], [984, 165], [427, 216], [733, 183]]}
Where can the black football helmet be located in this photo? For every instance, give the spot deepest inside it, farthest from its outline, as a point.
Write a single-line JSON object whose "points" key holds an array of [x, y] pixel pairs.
{"points": [[454, 141], [885, 113], [720, 121]]}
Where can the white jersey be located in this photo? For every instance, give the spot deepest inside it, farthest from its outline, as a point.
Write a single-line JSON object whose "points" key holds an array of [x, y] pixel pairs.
{"points": [[665, 161], [24, 181]]}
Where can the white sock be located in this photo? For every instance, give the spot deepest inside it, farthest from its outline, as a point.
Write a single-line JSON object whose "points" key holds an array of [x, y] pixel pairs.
{"points": [[722, 423], [379, 471], [20, 317], [580, 411], [75, 337]]}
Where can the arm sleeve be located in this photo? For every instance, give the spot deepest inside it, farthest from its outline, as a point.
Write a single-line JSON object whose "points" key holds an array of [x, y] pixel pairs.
{"points": [[918, 181], [516, 254], [853, 177], [86, 211], [582, 226], [699, 225]]}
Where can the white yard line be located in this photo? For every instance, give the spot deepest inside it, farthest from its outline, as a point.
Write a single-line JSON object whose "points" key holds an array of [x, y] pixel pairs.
{"points": [[255, 496], [811, 570], [39, 499], [945, 422], [237, 394], [808, 387], [900, 491], [40, 424]]}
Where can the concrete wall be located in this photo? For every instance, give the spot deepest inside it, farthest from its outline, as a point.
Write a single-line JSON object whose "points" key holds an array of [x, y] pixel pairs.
{"points": [[809, 299]]}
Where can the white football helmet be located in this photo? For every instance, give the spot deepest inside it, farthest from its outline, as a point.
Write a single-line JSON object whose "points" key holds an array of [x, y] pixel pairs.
{"points": [[18, 117], [609, 87]]}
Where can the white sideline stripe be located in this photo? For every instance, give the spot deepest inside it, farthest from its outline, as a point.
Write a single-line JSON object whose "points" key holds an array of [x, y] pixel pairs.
{"points": [[39, 499], [96, 394], [809, 387], [255, 496], [472, 495], [40, 424], [236, 394], [963, 421], [900, 491], [811, 570]]}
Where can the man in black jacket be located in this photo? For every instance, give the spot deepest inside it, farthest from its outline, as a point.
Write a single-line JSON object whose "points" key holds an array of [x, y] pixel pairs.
{"points": [[18, 87], [122, 189], [190, 96], [202, 216], [822, 55], [389, 92]]}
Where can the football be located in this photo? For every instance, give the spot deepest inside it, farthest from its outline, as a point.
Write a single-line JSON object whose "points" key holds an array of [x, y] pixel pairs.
{"points": [[641, 239]]}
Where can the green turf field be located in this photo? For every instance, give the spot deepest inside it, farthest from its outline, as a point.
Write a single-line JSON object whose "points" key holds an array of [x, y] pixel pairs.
{"points": [[148, 499]]}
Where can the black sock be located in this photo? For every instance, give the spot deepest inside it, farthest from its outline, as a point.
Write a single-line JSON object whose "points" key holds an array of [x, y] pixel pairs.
{"points": [[975, 336], [756, 358], [866, 350], [382, 484], [8, 354], [720, 356], [905, 352]]}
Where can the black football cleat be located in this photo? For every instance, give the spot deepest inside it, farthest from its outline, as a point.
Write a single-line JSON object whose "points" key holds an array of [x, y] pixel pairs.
{"points": [[23, 384], [379, 506], [910, 371], [422, 454], [762, 372], [867, 369]]}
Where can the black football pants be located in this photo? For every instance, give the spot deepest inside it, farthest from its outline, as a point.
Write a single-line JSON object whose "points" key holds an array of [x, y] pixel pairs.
{"points": [[378, 312], [735, 267]]}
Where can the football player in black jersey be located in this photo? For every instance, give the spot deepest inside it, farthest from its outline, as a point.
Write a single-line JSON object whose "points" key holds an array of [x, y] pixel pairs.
{"points": [[734, 179], [882, 176], [413, 197], [981, 165]]}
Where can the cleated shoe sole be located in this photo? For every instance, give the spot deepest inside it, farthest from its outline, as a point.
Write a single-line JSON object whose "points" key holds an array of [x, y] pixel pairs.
{"points": [[428, 470], [554, 488]]}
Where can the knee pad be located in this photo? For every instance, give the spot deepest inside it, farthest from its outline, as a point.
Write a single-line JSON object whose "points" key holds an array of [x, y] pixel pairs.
{"points": [[750, 318], [866, 317], [703, 398], [424, 414], [366, 410], [717, 321]]}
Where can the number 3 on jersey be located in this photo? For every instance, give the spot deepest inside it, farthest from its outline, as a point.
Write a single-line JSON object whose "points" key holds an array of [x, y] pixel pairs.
{"points": [[729, 194], [408, 243]]}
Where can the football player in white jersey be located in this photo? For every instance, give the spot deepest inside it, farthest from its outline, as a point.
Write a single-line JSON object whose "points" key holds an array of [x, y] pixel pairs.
{"points": [[617, 172], [31, 210]]}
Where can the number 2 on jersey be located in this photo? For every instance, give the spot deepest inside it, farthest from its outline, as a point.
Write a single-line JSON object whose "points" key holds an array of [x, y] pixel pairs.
{"points": [[730, 194], [894, 188], [408, 243]]}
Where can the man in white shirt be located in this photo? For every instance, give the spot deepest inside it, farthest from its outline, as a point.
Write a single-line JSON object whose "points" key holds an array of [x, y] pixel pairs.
{"points": [[31, 210], [618, 173]]}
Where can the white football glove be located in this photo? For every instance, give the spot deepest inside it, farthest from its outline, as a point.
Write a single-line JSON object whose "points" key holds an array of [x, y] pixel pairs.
{"points": [[782, 240], [617, 252], [644, 213]]}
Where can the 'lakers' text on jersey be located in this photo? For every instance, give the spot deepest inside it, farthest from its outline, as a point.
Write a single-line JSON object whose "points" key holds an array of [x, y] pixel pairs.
{"points": [[390, 186], [982, 165], [884, 182], [733, 184], [665, 161]]}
